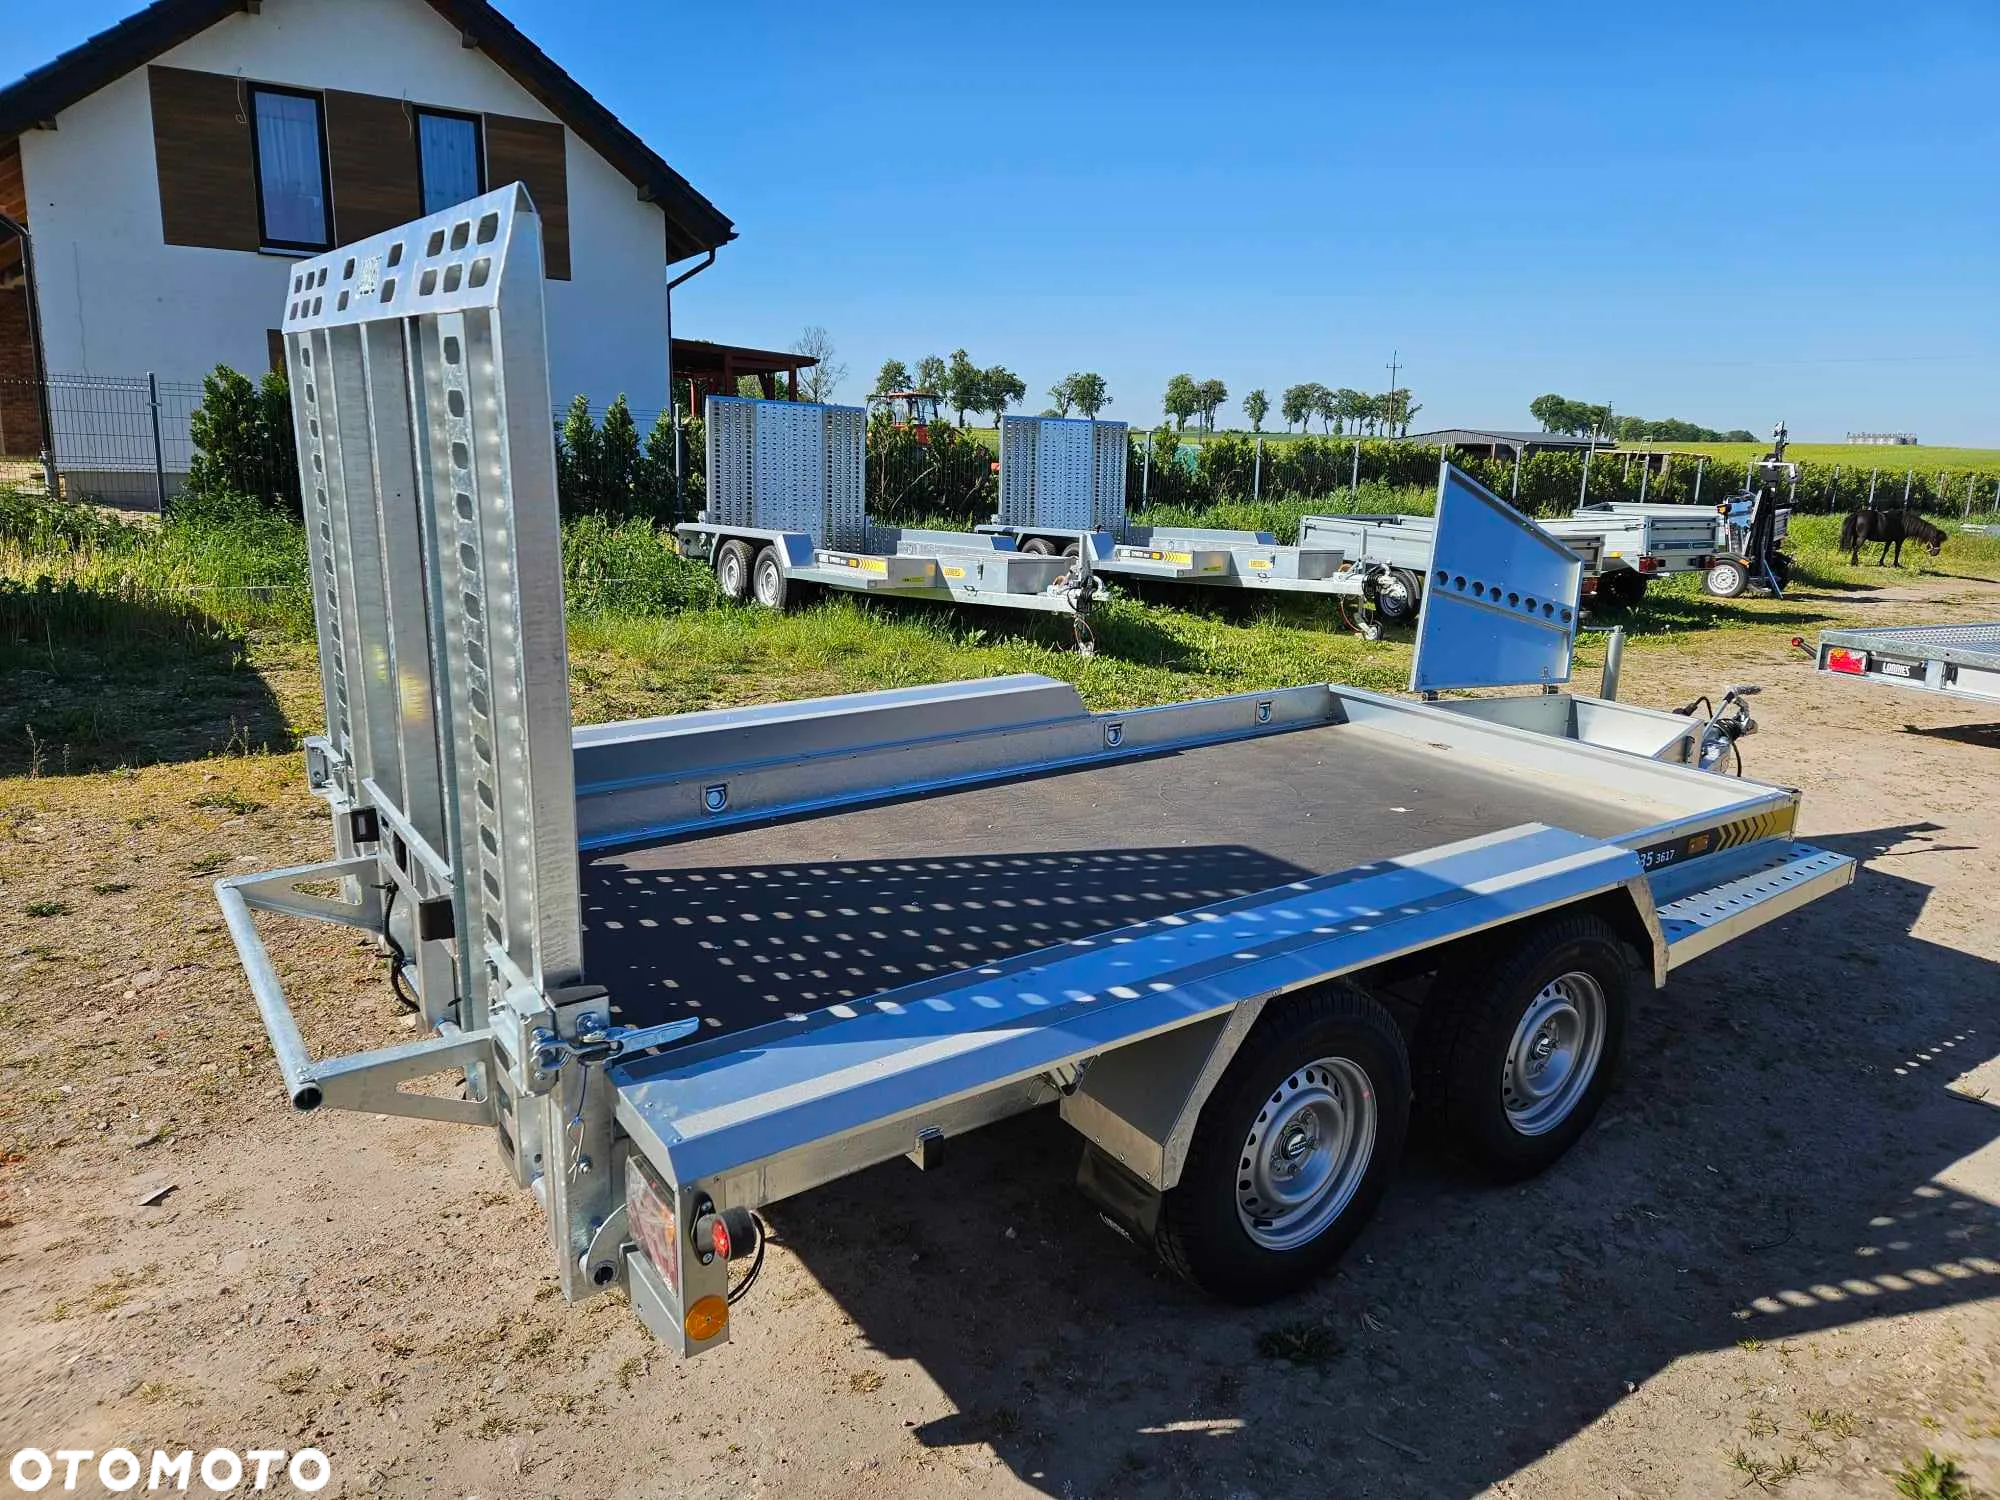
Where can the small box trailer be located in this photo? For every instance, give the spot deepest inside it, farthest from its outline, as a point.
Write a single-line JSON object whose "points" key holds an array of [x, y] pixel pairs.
{"points": [[683, 968], [1401, 545], [785, 512], [1959, 661]]}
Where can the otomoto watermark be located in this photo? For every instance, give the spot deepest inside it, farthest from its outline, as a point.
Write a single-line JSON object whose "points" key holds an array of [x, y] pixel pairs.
{"points": [[220, 1471]]}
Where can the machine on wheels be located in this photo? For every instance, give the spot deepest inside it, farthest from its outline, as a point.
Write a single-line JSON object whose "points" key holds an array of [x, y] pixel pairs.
{"points": [[1751, 530], [682, 968]]}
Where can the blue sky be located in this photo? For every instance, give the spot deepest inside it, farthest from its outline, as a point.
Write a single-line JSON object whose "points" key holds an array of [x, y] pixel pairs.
{"points": [[1726, 213]]}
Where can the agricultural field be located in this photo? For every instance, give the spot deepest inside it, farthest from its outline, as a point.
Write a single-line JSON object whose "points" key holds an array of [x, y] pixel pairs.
{"points": [[1770, 1269]]}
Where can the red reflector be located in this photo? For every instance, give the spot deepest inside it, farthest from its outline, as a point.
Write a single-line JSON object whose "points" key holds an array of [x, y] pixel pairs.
{"points": [[1649, 565], [718, 1237], [1838, 660]]}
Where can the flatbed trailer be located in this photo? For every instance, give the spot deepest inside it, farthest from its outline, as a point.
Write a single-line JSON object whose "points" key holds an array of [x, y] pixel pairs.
{"points": [[1960, 661], [1062, 494], [1401, 544], [785, 513], [686, 967]]}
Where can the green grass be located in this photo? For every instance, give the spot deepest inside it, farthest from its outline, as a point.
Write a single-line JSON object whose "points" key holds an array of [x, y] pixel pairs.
{"points": [[1932, 1478], [1851, 456], [121, 644]]}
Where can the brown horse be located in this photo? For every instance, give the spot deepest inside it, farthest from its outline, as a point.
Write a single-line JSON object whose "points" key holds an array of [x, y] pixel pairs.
{"points": [[1891, 528]]}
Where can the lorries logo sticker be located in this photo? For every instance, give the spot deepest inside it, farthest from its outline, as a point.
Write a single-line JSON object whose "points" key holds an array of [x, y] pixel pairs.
{"points": [[221, 1470]]}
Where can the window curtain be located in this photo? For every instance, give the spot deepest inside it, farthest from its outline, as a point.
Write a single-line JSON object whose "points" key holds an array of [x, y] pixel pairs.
{"points": [[288, 161], [449, 149]]}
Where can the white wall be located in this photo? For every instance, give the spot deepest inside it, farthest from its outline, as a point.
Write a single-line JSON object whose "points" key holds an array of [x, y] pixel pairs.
{"points": [[117, 300]]}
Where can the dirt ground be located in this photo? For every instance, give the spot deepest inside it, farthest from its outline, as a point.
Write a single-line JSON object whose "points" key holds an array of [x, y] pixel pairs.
{"points": [[1773, 1266]]}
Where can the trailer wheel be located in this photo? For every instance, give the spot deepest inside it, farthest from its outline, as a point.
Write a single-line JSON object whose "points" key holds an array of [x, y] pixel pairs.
{"points": [[1726, 578], [769, 585], [1622, 588], [1520, 1043], [732, 569], [1036, 546], [1073, 552], [1292, 1151], [1398, 597]]}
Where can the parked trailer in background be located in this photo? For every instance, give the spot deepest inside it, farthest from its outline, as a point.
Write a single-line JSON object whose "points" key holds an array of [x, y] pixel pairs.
{"points": [[686, 967], [1062, 493], [1961, 661], [785, 511], [1401, 545]]}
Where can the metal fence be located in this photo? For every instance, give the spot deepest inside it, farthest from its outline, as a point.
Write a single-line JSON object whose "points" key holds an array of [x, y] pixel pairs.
{"points": [[113, 440]]}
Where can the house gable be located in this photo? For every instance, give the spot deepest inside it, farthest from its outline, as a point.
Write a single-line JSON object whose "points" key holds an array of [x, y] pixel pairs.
{"points": [[692, 223]]}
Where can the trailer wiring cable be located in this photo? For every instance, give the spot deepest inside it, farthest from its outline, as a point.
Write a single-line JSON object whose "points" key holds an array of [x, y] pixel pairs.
{"points": [[756, 1260], [397, 957]]}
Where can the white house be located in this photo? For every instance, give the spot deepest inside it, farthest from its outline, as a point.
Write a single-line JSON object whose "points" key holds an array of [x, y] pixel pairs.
{"points": [[156, 181]]}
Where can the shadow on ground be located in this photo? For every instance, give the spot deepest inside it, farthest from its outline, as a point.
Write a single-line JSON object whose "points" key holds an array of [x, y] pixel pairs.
{"points": [[91, 679], [1985, 736], [1766, 1168]]}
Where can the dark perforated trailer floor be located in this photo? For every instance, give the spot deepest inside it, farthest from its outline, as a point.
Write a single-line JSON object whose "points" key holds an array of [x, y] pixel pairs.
{"points": [[750, 926]]}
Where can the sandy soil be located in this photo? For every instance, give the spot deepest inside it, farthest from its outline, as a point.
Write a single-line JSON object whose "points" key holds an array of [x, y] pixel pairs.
{"points": [[1775, 1263]]}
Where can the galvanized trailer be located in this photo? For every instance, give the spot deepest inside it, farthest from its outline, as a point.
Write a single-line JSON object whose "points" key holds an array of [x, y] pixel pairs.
{"points": [[1401, 545], [1062, 494], [785, 511], [685, 967], [1961, 661]]}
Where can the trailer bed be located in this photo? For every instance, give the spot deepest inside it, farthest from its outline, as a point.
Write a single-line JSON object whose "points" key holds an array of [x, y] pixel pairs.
{"points": [[765, 923]]}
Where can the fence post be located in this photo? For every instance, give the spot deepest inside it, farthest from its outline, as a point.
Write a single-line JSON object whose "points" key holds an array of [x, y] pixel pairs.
{"points": [[1645, 476], [1700, 464], [1515, 493], [159, 455], [1146, 474], [1750, 475], [1257, 473], [1908, 476], [1873, 475], [1354, 474], [680, 461], [1584, 490], [1833, 492]]}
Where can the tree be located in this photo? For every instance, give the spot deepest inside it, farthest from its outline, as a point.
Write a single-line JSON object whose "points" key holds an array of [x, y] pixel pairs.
{"points": [[1088, 390], [893, 376], [1298, 403], [1350, 405], [1256, 406], [653, 473], [930, 374], [962, 386], [576, 458], [1183, 400], [1210, 395], [1394, 410], [821, 381], [617, 457], [1553, 412], [999, 388], [1063, 394]]}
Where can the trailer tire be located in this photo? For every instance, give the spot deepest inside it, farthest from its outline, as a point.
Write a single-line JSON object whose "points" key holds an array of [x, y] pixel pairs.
{"points": [[1726, 578], [732, 569], [1498, 1018], [768, 584], [1073, 552], [1399, 597], [1319, 1093], [1036, 546]]}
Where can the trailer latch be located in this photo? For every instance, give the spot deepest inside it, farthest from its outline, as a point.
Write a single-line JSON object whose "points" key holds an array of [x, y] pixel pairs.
{"points": [[597, 1041]]}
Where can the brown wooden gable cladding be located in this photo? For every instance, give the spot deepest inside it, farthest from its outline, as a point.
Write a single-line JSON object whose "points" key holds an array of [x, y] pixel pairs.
{"points": [[201, 148], [371, 151], [207, 174], [13, 186], [531, 152]]}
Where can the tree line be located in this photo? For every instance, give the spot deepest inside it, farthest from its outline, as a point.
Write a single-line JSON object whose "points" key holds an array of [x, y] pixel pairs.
{"points": [[1581, 418]]}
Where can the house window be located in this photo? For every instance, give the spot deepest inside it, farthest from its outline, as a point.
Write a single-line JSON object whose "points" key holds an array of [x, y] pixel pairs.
{"points": [[448, 159], [290, 148]]}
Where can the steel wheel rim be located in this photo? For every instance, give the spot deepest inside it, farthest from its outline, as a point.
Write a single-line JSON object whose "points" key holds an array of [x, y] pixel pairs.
{"points": [[767, 585], [1306, 1153], [731, 573], [1393, 598], [1722, 577], [1554, 1053]]}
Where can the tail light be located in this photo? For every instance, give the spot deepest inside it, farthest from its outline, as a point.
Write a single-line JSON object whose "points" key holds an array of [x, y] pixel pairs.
{"points": [[649, 1216], [1838, 660], [1650, 565]]}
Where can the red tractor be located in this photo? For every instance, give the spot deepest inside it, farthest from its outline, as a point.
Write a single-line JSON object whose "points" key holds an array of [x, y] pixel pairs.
{"points": [[915, 410]]}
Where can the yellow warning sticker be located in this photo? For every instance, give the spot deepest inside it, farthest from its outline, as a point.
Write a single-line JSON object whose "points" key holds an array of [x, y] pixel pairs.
{"points": [[1260, 564], [951, 572]]}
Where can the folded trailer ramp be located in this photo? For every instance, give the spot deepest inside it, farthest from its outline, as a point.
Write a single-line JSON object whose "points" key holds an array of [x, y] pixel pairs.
{"points": [[684, 966]]}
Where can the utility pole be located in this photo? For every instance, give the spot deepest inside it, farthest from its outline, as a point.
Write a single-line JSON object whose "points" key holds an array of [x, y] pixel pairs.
{"points": [[1394, 404]]}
